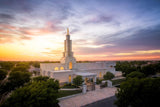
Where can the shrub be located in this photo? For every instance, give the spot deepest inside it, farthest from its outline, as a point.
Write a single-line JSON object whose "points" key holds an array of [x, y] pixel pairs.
{"points": [[98, 81], [78, 80], [108, 76]]}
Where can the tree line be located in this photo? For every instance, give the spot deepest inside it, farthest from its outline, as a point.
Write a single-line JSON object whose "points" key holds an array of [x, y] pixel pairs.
{"points": [[141, 66], [139, 89]]}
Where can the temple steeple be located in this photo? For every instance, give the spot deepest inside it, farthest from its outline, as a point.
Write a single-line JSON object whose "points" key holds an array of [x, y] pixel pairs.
{"points": [[68, 46], [68, 58]]}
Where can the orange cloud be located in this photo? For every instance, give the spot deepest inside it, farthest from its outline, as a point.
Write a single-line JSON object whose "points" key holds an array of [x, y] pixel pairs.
{"points": [[48, 28], [138, 53]]}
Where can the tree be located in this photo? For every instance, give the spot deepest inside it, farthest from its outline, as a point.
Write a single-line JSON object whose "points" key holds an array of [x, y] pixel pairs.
{"points": [[148, 70], [36, 64], [7, 65], [35, 94], [136, 74], [20, 68], [23, 64], [129, 66], [15, 80], [40, 78], [139, 93], [108, 76], [157, 67], [3, 74], [78, 80], [18, 78]]}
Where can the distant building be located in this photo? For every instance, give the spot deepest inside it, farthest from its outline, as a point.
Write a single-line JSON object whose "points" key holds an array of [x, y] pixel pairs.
{"points": [[67, 69]]}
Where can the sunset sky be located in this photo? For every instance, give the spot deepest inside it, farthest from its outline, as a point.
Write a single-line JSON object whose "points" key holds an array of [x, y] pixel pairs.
{"points": [[99, 29]]}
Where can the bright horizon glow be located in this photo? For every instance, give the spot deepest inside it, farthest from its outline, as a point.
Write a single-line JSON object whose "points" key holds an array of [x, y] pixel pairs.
{"points": [[100, 30]]}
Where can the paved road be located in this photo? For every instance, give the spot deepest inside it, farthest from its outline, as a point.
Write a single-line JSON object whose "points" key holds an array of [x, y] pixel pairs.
{"points": [[107, 102], [88, 98], [6, 78]]}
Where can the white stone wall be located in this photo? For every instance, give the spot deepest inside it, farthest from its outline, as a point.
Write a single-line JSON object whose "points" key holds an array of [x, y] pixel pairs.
{"points": [[78, 66], [90, 66], [48, 69], [107, 66], [62, 76]]}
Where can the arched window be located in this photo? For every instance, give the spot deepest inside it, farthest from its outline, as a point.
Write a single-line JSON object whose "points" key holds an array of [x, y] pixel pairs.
{"points": [[100, 75], [62, 68], [56, 69], [70, 65], [69, 78]]}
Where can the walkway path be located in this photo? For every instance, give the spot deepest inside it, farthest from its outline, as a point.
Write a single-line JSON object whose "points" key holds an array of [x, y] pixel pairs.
{"points": [[89, 97], [107, 102], [6, 78]]}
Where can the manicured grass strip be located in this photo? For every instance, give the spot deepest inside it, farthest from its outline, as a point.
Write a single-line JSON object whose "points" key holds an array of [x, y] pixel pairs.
{"points": [[63, 93]]}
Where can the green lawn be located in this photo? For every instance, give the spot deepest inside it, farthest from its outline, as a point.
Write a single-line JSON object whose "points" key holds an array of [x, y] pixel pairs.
{"points": [[118, 81], [63, 93]]}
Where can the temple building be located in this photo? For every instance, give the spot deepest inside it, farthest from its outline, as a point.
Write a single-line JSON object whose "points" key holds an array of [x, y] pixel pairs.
{"points": [[67, 69]]}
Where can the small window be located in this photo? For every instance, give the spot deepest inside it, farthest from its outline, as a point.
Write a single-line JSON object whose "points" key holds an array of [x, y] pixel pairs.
{"points": [[62, 68], [56, 68]]}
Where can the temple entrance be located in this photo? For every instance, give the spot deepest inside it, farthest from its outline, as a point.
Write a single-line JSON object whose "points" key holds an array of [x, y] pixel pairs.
{"points": [[70, 78], [89, 80], [70, 65], [100, 75], [90, 84]]}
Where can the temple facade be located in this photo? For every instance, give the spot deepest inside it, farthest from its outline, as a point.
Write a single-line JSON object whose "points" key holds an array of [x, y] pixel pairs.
{"points": [[67, 69]]}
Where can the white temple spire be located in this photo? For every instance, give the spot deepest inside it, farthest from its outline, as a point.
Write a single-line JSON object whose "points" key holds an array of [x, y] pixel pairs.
{"points": [[67, 31]]}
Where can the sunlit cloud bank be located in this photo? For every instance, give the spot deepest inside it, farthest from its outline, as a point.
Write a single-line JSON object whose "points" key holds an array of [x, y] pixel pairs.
{"points": [[100, 29], [139, 52]]}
